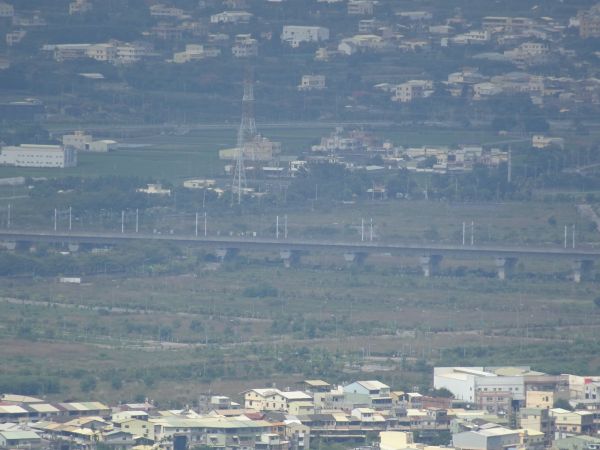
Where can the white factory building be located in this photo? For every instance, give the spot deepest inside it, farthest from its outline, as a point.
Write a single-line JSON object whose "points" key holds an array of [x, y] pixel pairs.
{"points": [[35, 155], [468, 383], [85, 143]]}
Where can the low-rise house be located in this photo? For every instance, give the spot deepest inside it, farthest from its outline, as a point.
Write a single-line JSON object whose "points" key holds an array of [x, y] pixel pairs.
{"points": [[160, 10], [20, 439], [496, 438], [361, 43], [14, 37], [154, 189], [541, 141], [80, 7], [312, 82]]}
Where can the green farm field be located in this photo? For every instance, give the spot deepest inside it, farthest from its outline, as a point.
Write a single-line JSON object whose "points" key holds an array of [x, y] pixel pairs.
{"points": [[173, 157]]}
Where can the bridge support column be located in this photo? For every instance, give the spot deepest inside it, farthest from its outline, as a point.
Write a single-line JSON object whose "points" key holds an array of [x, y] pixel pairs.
{"points": [[505, 266], [225, 254], [581, 269], [290, 258], [355, 258], [430, 264]]}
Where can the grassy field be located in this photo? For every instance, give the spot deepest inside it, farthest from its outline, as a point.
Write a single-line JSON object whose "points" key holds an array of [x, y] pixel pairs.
{"points": [[154, 332]]}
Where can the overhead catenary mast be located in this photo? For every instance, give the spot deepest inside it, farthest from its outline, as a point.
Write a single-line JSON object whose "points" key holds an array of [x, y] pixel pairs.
{"points": [[245, 138]]}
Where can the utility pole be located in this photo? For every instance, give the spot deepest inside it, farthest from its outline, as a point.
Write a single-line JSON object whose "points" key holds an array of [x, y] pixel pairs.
{"points": [[55, 219], [196, 224], [509, 174], [277, 228], [8, 217], [137, 220], [285, 227], [371, 237], [205, 224], [122, 222], [472, 233], [463, 233], [573, 232], [362, 230], [70, 218], [316, 192], [565, 236]]}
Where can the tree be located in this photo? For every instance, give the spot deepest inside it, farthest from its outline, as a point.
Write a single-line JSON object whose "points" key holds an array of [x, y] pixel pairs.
{"points": [[88, 384], [562, 403]]}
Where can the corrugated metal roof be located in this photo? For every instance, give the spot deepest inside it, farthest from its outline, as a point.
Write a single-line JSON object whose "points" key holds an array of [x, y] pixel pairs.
{"points": [[19, 435], [43, 407], [12, 409]]}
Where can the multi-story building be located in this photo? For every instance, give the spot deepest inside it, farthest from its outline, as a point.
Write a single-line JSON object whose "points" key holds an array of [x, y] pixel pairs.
{"points": [[589, 23], [231, 17], [511, 24], [361, 7], [537, 419], [411, 90], [102, 52], [244, 46], [295, 35], [571, 423], [35, 155], [6, 10], [273, 399]]}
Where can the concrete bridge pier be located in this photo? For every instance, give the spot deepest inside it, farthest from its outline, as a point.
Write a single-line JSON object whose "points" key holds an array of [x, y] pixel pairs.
{"points": [[430, 264], [581, 269], [505, 266], [291, 258], [226, 253], [355, 258]]}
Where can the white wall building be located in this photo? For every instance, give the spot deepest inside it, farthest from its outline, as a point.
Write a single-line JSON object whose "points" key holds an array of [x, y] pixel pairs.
{"points": [[159, 10], [466, 382], [102, 52], [294, 35], [79, 7], [78, 140], [361, 7], [6, 10], [195, 52], [411, 90], [35, 155], [231, 17], [244, 46], [312, 82]]}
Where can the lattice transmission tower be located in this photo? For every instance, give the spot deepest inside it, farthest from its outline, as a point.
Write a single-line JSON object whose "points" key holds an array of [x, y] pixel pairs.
{"points": [[246, 138]]}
